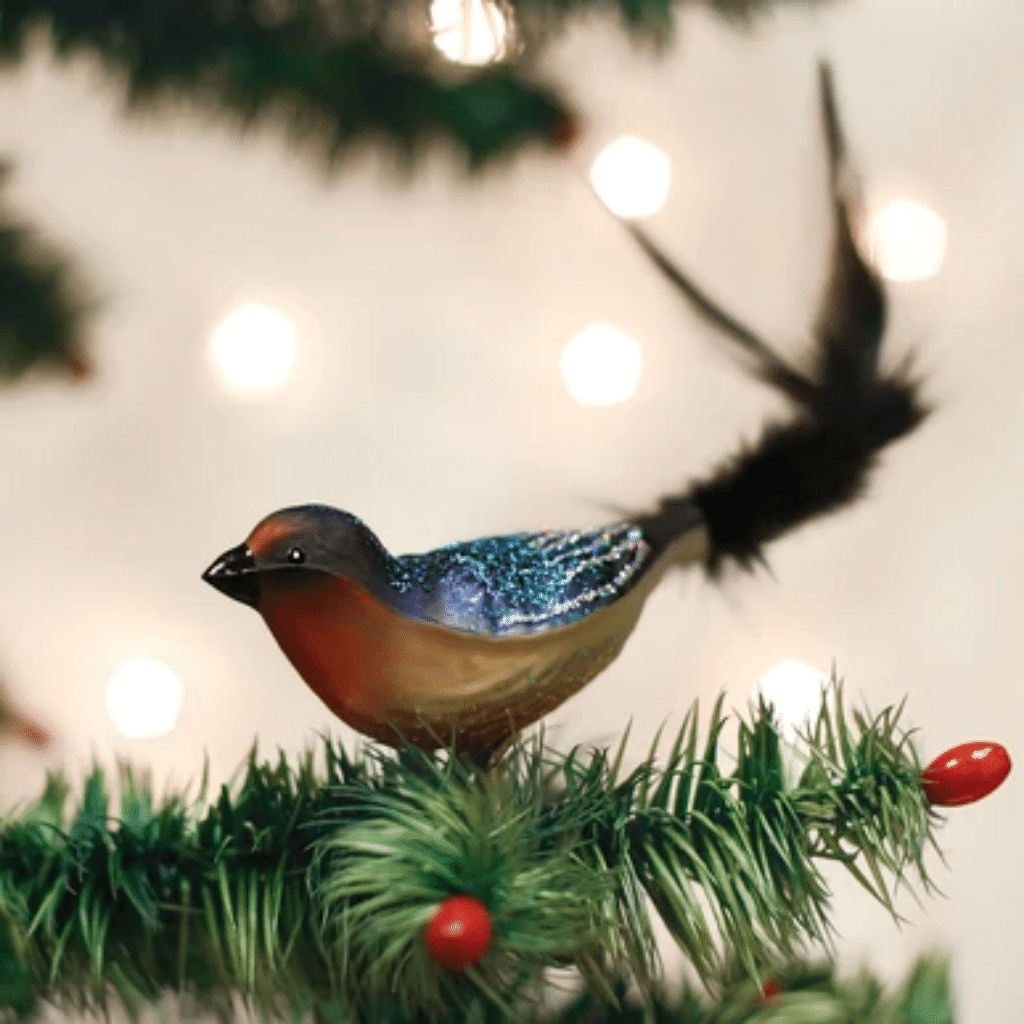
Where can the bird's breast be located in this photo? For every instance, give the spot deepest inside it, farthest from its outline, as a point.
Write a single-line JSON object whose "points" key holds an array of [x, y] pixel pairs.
{"points": [[334, 633]]}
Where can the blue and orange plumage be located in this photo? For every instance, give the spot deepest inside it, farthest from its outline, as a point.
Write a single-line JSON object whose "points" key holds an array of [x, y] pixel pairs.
{"points": [[468, 644]]}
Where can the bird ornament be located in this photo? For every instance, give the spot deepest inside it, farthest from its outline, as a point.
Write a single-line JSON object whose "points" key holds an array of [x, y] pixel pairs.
{"points": [[467, 645]]}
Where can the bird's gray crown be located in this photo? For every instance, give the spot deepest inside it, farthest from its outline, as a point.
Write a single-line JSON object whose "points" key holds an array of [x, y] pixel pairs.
{"points": [[319, 537]]}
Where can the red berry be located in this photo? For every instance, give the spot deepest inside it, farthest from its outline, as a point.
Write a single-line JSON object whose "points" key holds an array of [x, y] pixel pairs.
{"points": [[31, 732], [965, 773], [79, 366], [770, 991], [565, 130], [459, 933]]}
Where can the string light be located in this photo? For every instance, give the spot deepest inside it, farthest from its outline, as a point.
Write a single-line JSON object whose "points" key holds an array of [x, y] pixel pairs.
{"points": [[472, 32], [907, 241], [601, 366], [795, 691], [254, 348], [144, 698], [631, 177]]}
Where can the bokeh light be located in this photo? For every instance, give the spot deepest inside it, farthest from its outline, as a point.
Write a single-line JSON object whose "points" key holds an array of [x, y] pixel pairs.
{"points": [[632, 177], [470, 32], [796, 691], [254, 348], [906, 241], [144, 698], [601, 366]]}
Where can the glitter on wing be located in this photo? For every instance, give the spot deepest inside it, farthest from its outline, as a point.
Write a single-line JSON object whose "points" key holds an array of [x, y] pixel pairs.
{"points": [[520, 584]]}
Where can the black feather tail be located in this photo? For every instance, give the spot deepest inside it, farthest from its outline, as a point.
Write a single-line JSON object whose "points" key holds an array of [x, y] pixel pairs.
{"points": [[845, 408]]}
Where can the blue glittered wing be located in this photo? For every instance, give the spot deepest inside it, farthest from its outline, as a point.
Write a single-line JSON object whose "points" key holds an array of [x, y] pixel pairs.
{"points": [[522, 583]]}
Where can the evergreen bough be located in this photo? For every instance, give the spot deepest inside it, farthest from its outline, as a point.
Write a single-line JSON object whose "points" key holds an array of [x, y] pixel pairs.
{"points": [[307, 888]]}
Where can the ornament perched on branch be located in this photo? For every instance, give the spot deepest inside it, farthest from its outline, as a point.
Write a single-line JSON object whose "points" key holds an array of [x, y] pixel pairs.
{"points": [[469, 644]]}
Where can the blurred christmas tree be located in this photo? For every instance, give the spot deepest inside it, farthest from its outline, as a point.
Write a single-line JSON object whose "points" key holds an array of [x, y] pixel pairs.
{"points": [[334, 74]]}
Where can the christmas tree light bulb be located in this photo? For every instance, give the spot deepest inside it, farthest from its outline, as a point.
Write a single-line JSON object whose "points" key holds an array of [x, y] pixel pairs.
{"points": [[471, 32], [906, 241], [601, 366], [254, 348], [632, 177], [795, 691], [144, 698]]}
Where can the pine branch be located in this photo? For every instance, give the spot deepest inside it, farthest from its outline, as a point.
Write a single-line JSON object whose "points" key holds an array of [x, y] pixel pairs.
{"points": [[334, 74], [43, 307], [337, 72], [305, 889], [800, 993]]}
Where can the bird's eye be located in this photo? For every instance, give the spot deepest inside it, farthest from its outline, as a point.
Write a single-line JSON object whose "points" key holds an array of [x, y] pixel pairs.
{"points": [[296, 556]]}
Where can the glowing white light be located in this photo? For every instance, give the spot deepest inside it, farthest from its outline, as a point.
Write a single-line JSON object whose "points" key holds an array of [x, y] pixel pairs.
{"points": [[254, 348], [469, 31], [907, 241], [631, 177], [601, 366], [144, 698], [796, 691]]}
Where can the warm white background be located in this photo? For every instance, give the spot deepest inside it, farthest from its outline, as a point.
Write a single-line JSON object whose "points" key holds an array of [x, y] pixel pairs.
{"points": [[427, 399]]}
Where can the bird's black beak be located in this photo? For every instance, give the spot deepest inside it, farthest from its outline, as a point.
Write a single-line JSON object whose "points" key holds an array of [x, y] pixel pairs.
{"points": [[236, 575]]}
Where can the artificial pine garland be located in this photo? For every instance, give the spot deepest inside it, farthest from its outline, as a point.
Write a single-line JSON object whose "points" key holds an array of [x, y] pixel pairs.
{"points": [[308, 888]]}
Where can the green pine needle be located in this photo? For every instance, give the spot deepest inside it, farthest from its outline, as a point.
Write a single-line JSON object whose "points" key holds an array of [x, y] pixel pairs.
{"points": [[308, 888]]}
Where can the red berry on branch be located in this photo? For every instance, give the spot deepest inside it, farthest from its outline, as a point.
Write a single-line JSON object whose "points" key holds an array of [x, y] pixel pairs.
{"points": [[31, 732], [965, 773], [459, 933], [565, 131], [80, 367]]}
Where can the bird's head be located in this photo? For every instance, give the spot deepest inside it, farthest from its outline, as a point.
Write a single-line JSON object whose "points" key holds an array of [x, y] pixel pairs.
{"points": [[296, 547]]}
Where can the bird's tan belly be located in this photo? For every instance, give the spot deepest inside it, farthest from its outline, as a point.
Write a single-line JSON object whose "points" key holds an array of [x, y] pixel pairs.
{"points": [[393, 678]]}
